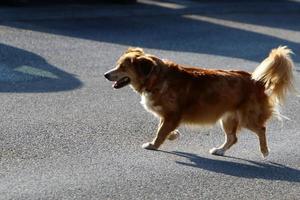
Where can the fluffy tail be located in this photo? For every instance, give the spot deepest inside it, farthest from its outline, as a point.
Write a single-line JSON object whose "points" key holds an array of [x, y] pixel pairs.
{"points": [[276, 73]]}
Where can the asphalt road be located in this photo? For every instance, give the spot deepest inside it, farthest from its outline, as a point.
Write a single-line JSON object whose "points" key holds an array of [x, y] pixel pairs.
{"points": [[66, 134]]}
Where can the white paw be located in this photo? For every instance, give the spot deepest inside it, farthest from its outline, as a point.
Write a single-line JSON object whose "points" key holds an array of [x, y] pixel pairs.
{"points": [[148, 146], [216, 151], [174, 135]]}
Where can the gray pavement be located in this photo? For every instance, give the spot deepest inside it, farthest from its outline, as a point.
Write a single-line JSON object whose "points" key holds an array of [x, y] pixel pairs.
{"points": [[66, 134]]}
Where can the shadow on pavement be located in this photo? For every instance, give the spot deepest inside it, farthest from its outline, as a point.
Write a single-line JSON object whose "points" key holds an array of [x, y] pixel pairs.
{"points": [[247, 37], [23, 71], [253, 169]]}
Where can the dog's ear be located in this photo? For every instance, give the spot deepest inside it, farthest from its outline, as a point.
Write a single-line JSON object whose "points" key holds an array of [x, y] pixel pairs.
{"points": [[145, 65], [135, 49]]}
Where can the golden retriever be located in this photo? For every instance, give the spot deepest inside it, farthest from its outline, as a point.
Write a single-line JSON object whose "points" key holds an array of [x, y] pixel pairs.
{"points": [[188, 95]]}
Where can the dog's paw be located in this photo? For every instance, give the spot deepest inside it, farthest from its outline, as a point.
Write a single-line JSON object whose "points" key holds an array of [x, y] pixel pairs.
{"points": [[265, 153], [217, 152], [148, 146], [174, 135]]}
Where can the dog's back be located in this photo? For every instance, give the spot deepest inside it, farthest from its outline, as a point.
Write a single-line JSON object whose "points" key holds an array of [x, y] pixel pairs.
{"points": [[206, 95]]}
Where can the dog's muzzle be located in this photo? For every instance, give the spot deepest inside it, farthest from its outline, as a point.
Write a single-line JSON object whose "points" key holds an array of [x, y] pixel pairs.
{"points": [[107, 76], [118, 82]]}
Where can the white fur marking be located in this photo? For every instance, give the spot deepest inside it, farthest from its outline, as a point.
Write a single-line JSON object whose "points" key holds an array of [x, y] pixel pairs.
{"points": [[216, 151], [148, 103]]}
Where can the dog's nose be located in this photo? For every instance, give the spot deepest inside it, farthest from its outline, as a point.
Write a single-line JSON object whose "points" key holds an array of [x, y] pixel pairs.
{"points": [[106, 75]]}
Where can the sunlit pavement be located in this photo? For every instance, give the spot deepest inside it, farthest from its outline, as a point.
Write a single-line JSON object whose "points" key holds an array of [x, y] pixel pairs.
{"points": [[66, 134]]}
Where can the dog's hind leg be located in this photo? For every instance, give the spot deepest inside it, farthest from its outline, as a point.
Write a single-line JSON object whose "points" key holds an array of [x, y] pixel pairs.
{"points": [[230, 124], [166, 126], [260, 131]]}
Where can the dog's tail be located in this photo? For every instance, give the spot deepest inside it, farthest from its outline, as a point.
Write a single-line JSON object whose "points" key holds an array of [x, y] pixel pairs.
{"points": [[276, 73]]}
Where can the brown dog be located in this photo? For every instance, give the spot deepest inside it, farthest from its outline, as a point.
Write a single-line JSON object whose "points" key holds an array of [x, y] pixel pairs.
{"points": [[178, 94]]}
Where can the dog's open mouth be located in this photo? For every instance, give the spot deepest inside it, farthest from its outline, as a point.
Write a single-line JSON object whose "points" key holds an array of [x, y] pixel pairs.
{"points": [[122, 82]]}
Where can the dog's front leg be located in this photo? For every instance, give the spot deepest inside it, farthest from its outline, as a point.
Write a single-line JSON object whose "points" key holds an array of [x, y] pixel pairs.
{"points": [[166, 126]]}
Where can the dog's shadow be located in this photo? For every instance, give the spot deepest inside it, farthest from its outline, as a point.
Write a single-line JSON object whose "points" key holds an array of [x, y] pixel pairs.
{"points": [[244, 168]]}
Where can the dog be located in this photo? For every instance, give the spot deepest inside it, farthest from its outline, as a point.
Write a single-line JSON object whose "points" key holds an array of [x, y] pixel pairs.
{"points": [[178, 94]]}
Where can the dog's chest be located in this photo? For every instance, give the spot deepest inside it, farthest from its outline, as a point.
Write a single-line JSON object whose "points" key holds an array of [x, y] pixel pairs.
{"points": [[147, 100]]}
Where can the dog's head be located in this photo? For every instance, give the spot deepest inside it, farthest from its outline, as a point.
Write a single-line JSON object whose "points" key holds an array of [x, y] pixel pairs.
{"points": [[133, 67]]}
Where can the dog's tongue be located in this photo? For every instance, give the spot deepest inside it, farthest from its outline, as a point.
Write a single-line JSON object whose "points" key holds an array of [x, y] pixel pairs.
{"points": [[121, 83], [116, 85]]}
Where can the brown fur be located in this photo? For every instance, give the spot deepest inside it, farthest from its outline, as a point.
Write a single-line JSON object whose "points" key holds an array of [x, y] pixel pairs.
{"points": [[178, 94]]}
